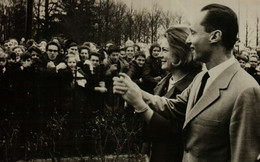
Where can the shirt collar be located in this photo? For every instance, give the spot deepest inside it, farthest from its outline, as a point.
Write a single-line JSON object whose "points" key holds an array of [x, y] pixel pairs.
{"points": [[172, 81], [217, 70], [181, 83]]}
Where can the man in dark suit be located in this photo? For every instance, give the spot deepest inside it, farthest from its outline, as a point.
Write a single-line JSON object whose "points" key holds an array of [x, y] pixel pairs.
{"points": [[217, 127]]}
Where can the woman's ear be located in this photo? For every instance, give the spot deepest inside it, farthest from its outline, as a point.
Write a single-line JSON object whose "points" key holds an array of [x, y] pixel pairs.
{"points": [[215, 36], [176, 64]]}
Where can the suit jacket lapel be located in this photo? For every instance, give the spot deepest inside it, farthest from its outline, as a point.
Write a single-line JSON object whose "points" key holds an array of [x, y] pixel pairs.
{"points": [[181, 85], [212, 93], [170, 92], [193, 91]]}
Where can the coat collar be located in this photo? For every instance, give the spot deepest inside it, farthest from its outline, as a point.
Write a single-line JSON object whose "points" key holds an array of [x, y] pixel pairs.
{"points": [[161, 85], [179, 85], [212, 93]]}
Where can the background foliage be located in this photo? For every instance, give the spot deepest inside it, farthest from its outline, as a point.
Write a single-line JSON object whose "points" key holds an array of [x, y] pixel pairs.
{"points": [[99, 21]]}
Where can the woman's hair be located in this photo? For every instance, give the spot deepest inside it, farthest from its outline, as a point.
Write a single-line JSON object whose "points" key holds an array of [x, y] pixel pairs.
{"points": [[241, 51], [176, 37], [153, 46], [240, 57]]}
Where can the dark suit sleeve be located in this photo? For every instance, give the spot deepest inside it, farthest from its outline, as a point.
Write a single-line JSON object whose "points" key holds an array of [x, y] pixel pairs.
{"points": [[245, 126], [168, 116], [160, 126], [168, 108]]}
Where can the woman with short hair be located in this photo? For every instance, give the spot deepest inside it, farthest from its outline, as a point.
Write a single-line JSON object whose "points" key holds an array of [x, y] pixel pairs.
{"points": [[177, 60]]}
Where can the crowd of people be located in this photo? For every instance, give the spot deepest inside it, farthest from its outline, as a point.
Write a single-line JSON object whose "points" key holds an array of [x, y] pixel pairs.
{"points": [[46, 76], [39, 80], [249, 60], [61, 76]]}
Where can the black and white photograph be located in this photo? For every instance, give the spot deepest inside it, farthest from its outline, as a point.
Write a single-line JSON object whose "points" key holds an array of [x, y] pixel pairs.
{"points": [[129, 80]]}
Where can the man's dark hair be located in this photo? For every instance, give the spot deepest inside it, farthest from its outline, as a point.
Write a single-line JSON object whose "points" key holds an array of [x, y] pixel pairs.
{"points": [[12, 55], [25, 56], [220, 17], [33, 48], [138, 47], [70, 43], [122, 49], [29, 43], [52, 43], [113, 48], [139, 53], [94, 54], [83, 47]]}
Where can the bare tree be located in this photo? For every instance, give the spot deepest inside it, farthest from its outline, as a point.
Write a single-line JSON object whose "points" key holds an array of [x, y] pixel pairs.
{"points": [[29, 17], [246, 32], [140, 25], [155, 21], [120, 9], [257, 22], [166, 19], [93, 20], [46, 13]]}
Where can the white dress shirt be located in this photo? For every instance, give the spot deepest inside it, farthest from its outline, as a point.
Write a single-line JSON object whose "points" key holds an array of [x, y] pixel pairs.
{"points": [[216, 71]]}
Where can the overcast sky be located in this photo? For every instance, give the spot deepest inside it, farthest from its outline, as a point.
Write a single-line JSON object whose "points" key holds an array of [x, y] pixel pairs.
{"points": [[244, 8]]}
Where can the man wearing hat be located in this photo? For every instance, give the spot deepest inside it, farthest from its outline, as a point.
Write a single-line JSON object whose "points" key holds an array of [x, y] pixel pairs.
{"points": [[72, 49]]}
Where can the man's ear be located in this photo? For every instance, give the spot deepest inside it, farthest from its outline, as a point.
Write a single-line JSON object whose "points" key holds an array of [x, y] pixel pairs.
{"points": [[215, 36]]}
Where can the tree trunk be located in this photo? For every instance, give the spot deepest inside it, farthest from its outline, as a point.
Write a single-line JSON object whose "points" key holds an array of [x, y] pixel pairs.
{"points": [[29, 15], [38, 15], [46, 21], [257, 21]]}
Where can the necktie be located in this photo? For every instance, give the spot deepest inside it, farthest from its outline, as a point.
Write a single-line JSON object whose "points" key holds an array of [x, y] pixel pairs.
{"points": [[202, 86]]}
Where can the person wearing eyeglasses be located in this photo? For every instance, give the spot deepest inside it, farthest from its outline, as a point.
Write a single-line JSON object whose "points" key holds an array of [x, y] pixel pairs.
{"points": [[53, 78]]}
